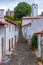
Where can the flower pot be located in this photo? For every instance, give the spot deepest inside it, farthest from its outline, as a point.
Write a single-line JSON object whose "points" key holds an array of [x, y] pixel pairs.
{"points": [[29, 43]]}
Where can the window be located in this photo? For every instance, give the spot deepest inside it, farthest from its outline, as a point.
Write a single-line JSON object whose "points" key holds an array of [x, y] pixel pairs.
{"points": [[35, 7], [12, 28]]}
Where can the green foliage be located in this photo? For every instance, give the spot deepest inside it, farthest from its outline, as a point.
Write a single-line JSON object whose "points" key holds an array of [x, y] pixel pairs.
{"points": [[34, 41], [10, 17], [42, 13], [19, 22], [22, 9]]}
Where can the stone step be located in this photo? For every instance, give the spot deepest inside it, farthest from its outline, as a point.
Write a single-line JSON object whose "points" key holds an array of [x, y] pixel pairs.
{"points": [[6, 59]]}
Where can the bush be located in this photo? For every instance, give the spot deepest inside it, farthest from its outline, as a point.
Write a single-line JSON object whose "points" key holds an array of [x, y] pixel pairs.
{"points": [[34, 41]]}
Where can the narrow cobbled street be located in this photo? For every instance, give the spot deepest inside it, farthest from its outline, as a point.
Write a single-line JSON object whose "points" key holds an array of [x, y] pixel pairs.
{"points": [[22, 55]]}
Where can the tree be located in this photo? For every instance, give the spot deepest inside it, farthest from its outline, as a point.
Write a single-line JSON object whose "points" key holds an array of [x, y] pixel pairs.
{"points": [[22, 9]]}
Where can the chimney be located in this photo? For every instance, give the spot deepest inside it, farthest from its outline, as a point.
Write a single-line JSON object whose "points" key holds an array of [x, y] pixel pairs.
{"points": [[1, 12]]}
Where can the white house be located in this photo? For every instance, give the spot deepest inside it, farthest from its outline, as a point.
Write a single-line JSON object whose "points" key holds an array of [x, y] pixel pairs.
{"points": [[33, 25], [11, 35], [9, 32]]}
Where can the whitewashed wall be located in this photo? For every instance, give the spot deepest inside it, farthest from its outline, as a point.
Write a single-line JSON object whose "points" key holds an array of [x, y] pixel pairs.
{"points": [[36, 25], [39, 46], [17, 34], [26, 21], [1, 36], [10, 35], [0, 50], [2, 19]]}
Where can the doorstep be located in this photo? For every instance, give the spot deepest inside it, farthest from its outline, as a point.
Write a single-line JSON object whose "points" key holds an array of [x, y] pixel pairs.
{"points": [[5, 59], [9, 53], [37, 54]]}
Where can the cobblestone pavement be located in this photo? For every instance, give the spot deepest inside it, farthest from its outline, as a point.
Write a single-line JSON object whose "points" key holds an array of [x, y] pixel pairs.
{"points": [[22, 56]]}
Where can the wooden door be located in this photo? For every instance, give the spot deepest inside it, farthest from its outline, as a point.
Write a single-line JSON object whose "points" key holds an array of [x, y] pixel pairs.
{"points": [[12, 42], [9, 44], [3, 52]]}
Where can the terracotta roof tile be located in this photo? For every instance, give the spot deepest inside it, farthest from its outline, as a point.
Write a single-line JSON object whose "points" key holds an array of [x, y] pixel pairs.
{"points": [[31, 18], [27, 24], [3, 23], [13, 22], [39, 32]]}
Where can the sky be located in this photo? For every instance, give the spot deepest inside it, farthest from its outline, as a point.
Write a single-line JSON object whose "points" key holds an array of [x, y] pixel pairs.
{"points": [[10, 4]]}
